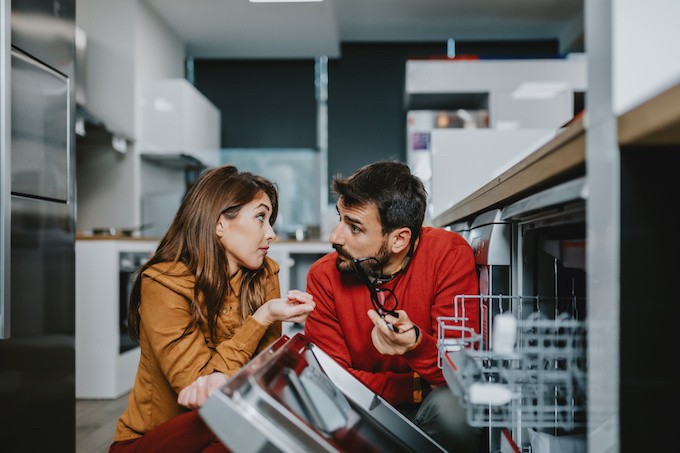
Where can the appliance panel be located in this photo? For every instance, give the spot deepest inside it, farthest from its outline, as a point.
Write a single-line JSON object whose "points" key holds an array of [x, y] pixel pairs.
{"points": [[40, 130], [37, 356], [287, 399], [46, 30], [37, 362]]}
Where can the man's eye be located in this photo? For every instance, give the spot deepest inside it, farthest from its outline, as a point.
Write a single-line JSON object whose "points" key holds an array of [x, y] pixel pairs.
{"points": [[355, 229]]}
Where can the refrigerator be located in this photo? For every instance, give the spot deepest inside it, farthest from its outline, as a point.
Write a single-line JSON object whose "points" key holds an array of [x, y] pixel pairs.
{"points": [[37, 227]]}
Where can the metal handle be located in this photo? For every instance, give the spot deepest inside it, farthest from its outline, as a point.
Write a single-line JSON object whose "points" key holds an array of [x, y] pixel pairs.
{"points": [[5, 165]]}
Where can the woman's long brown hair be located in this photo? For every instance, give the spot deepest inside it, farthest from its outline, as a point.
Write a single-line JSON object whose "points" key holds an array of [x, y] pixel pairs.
{"points": [[191, 240]]}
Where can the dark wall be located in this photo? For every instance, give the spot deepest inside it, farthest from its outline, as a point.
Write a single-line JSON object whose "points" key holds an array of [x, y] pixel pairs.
{"points": [[366, 117], [273, 103], [264, 103]]}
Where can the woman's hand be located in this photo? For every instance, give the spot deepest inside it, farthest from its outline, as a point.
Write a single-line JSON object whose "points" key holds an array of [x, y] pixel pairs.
{"points": [[295, 307], [195, 394]]}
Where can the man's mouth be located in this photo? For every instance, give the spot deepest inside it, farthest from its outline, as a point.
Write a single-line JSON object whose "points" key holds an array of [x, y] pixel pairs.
{"points": [[341, 252]]}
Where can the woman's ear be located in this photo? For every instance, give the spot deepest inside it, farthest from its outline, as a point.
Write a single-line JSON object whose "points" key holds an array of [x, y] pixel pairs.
{"points": [[400, 240], [220, 227]]}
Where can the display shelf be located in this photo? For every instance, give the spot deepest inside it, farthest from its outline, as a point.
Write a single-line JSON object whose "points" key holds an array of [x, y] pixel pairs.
{"points": [[561, 158], [654, 122]]}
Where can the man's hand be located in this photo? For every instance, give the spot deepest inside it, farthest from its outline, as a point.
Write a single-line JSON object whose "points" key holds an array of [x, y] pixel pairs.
{"points": [[389, 342], [195, 394]]}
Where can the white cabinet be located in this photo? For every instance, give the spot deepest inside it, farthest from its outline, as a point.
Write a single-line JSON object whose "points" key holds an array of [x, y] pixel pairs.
{"points": [[522, 103], [468, 159], [518, 93], [295, 259], [176, 118], [102, 370]]}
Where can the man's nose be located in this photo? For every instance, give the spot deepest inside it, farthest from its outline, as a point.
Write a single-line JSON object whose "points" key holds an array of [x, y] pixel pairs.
{"points": [[336, 235]]}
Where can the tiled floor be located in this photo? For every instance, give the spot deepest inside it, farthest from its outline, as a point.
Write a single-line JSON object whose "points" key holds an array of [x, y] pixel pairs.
{"points": [[96, 423]]}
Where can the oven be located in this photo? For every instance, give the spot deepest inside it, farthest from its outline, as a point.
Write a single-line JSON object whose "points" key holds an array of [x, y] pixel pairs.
{"points": [[523, 378], [129, 263]]}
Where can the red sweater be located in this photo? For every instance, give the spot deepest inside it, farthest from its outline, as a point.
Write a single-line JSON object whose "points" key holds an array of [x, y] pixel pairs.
{"points": [[442, 266]]}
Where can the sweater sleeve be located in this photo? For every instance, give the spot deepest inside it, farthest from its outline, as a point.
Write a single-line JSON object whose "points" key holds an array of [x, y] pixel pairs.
{"points": [[454, 273], [324, 329], [184, 355], [249, 339]]}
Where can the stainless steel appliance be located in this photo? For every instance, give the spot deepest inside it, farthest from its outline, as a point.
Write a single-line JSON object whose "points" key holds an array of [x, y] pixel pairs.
{"points": [[525, 376], [37, 232], [489, 237], [295, 398]]}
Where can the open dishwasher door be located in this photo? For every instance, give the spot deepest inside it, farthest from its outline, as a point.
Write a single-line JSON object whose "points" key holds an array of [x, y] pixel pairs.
{"points": [[295, 398]]}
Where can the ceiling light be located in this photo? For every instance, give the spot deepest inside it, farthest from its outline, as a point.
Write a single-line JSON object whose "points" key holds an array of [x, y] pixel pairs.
{"points": [[539, 90]]}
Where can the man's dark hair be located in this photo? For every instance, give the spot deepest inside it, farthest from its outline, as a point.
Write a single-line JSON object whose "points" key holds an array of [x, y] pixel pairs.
{"points": [[398, 194]]}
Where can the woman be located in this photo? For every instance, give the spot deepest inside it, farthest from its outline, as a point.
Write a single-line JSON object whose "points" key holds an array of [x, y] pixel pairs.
{"points": [[202, 307]]}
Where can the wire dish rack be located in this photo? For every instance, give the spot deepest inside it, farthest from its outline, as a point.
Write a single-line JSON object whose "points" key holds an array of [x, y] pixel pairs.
{"points": [[534, 376]]}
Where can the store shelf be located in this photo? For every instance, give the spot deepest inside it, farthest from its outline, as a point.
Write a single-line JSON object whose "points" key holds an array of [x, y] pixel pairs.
{"points": [[655, 122], [561, 158]]}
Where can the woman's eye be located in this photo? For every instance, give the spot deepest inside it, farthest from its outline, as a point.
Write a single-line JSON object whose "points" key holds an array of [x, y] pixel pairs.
{"points": [[260, 217]]}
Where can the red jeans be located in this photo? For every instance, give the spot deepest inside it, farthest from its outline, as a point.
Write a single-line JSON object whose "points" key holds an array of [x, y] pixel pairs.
{"points": [[186, 433]]}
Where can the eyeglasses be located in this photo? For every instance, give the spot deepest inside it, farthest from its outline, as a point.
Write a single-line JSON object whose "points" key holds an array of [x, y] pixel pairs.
{"points": [[383, 299]]}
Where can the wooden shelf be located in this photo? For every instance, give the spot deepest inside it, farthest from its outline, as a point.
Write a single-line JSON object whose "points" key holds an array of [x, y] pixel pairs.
{"points": [[561, 158], [654, 122]]}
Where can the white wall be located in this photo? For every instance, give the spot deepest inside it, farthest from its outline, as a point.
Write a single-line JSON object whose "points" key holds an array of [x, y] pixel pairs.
{"points": [[126, 43], [159, 54], [645, 50]]}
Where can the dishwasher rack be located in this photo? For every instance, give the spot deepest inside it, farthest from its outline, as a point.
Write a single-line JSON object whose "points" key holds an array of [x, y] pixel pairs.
{"points": [[540, 382]]}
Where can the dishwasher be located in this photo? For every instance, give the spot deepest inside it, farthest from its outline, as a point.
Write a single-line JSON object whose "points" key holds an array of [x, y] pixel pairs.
{"points": [[293, 397], [523, 377]]}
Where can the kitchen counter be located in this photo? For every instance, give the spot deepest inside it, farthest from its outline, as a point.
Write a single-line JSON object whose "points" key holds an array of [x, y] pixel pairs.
{"points": [[90, 237], [655, 122]]}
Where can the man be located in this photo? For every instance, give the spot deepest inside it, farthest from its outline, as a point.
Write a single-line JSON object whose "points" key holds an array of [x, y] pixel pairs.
{"points": [[379, 294]]}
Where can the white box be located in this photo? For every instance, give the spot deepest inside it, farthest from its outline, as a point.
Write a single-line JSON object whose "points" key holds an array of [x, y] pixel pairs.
{"points": [[463, 160]]}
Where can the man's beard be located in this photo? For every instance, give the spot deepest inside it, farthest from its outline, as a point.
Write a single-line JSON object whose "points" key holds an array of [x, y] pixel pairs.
{"points": [[372, 267]]}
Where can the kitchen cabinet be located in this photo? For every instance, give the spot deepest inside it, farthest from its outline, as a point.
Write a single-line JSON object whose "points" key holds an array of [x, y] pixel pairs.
{"points": [[176, 119], [295, 259], [106, 362], [521, 110]]}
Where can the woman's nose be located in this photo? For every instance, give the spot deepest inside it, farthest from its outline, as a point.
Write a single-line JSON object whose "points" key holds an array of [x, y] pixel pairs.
{"points": [[270, 233]]}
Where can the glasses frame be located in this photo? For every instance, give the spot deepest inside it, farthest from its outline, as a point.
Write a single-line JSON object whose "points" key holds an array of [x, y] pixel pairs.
{"points": [[374, 290]]}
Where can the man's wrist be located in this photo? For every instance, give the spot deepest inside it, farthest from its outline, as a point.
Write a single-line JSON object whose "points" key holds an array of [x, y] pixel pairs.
{"points": [[416, 331]]}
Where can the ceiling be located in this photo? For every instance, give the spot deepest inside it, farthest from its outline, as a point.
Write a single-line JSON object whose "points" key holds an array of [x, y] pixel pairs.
{"points": [[241, 30]]}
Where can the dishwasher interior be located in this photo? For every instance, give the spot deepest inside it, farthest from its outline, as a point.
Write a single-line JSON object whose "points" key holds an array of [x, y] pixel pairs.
{"points": [[523, 377]]}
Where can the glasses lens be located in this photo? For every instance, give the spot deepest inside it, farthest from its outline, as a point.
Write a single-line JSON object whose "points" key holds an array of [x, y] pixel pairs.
{"points": [[388, 301], [383, 299]]}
